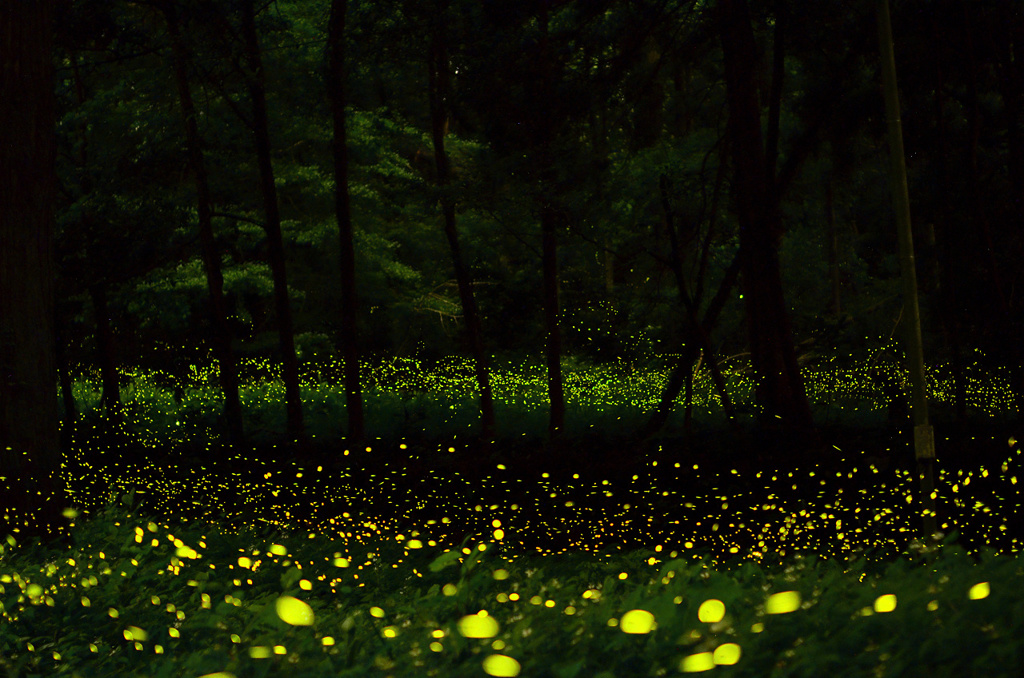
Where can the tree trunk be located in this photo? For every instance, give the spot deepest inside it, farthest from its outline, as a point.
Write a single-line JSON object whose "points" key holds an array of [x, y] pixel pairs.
{"points": [[32, 494], [681, 374], [553, 345], [609, 272], [342, 207], [275, 247], [110, 401], [1011, 86], [947, 278], [678, 375], [439, 93], [698, 337], [541, 136], [835, 307], [924, 440], [67, 395], [780, 389], [220, 330], [979, 213]]}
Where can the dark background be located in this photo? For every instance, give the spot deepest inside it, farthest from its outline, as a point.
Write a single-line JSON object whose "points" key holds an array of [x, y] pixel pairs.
{"points": [[607, 200]]}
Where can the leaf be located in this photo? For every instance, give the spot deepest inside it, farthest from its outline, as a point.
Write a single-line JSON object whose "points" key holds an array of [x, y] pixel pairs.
{"points": [[444, 560], [290, 577], [568, 670], [294, 611]]}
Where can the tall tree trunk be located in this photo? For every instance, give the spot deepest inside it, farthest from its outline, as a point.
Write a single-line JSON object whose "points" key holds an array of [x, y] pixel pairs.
{"points": [[542, 138], [553, 345], [609, 272], [979, 215], [67, 429], [832, 233], [439, 93], [220, 330], [32, 493], [275, 247], [924, 440], [342, 207], [110, 401], [780, 389], [1010, 73], [948, 263]]}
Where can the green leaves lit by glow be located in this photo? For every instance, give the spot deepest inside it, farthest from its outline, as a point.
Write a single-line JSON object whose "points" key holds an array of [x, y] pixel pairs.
{"points": [[979, 591], [711, 611], [781, 603], [501, 665], [637, 621], [135, 633], [727, 654], [695, 663], [295, 612], [444, 560], [480, 626], [219, 674], [186, 552], [259, 652], [69, 513], [886, 603]]}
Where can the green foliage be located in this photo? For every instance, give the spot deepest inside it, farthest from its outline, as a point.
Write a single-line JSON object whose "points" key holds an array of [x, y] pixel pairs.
{"points": [[413, 398], [143, 596]]}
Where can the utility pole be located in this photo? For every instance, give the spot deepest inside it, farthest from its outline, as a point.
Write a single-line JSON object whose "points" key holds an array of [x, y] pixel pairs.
{"points": [[924, 437]]}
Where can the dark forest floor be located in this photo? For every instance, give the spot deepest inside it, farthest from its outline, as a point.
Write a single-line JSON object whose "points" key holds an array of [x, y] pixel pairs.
{"points": [[561, 489]]}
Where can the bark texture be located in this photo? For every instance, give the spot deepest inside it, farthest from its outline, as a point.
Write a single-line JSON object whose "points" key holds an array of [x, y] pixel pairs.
{"points": [[780, 390], [342, 207], [220, 330], [31, 492]]}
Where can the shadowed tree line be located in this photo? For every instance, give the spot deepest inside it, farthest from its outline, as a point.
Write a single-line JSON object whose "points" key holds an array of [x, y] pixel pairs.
{"points": [[574, 177]]}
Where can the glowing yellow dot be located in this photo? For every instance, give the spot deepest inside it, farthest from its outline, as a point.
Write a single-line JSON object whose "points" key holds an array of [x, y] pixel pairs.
{"points": [[886, 603], [501, 666], [478, 626], [979, 591], [727, 654], [294, 611], [637, 622], [782, 603], [711, 611], [697, 663]]}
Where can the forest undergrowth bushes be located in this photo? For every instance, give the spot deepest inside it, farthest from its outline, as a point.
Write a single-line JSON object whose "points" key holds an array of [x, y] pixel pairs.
{"points": [[437, 398], [807, 559]]}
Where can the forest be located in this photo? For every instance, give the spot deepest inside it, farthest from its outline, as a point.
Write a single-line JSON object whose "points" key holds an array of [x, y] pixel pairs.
{"points": [[562, 275]]}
